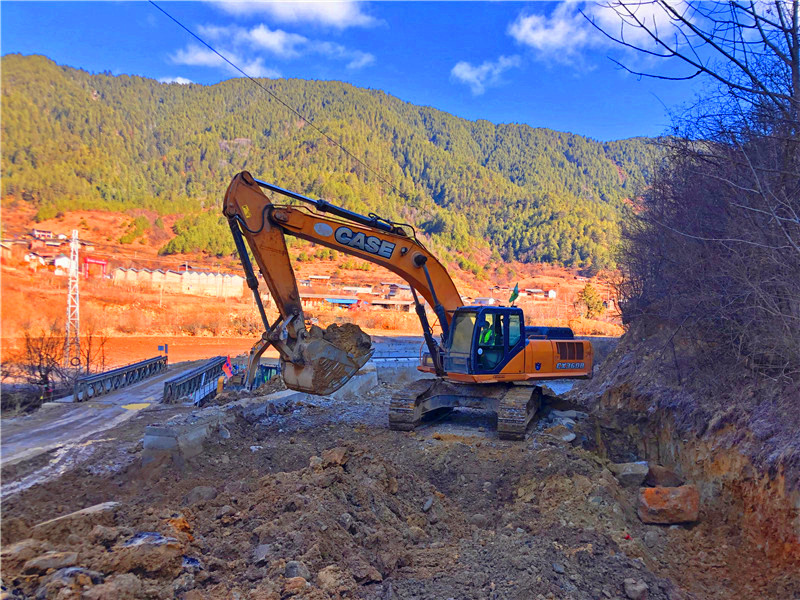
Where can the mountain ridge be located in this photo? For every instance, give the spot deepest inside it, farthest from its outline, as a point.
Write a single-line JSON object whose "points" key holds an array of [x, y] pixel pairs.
{"points": [[74, 140]]}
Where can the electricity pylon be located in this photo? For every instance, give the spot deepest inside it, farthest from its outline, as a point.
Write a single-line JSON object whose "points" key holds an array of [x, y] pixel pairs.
{"points": [[72, 340]]}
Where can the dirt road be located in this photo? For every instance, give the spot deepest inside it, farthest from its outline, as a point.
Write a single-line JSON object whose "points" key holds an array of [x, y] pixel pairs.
{"points": [[62, 423]]}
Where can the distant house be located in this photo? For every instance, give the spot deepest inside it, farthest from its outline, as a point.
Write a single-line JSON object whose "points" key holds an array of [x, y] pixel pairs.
{"points": [[34, 259], [62, 261], [203, 283], [351, 289], [398, 290], [401, 305], [314, 300], [42, 234], [551, 294], [485, 301]]}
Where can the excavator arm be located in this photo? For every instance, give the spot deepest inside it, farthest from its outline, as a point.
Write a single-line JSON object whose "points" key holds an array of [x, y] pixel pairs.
{"points": [[308, 363]]}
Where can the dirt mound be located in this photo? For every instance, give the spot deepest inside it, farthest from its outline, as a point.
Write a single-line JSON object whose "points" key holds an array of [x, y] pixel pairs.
{"points": [[275, 384], [348, 337], [348, 519]]}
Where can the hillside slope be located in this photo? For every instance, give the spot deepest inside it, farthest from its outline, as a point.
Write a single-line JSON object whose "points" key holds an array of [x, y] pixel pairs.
{"points": [[74, 140]]}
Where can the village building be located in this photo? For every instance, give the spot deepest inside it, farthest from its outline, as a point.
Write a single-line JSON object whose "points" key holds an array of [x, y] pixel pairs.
{"points": [[399, 305], [201, 283], [42, 234], [320, 300]]}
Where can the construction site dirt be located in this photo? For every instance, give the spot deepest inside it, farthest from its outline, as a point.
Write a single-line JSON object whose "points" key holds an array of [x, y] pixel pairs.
{"points": [[321, 500]]}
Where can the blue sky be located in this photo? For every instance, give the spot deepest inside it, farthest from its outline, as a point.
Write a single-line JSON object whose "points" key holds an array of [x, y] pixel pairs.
{"points": [[536, 63]]}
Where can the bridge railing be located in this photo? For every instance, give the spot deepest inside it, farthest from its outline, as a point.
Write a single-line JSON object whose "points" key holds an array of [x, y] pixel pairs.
{"points": [[100, 384], [197, 384]]}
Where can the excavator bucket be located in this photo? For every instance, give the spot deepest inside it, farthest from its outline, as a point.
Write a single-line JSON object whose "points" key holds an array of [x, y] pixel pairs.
{"points": [[325, 368]]}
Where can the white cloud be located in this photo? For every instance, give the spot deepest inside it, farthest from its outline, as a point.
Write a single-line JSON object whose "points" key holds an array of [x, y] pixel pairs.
{"points": [[278, 42], [340, 14], [281, 44], [181, 80], [356, 59], [261, 37], [485, 75], [360, 60], [256, 68], [565, 30], [197, 56], [564, 34]]}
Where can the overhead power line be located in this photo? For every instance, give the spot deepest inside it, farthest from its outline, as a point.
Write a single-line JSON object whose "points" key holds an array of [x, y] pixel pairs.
{"points": [[277, 98]]}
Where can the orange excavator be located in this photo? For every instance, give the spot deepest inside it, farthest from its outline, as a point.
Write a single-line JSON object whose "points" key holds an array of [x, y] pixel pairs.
{"points": [[485, 358]]}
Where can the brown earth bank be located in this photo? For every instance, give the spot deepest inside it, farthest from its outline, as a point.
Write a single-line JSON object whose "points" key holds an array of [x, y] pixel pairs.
{"points": [[738, 444], [321, 500]]}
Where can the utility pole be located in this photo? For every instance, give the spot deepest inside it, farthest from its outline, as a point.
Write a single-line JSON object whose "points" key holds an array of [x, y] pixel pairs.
{"points": [[72, 342]]}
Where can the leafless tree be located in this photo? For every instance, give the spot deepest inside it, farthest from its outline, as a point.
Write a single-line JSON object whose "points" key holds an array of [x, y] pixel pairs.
{"points": [[752, 49], [715, 245], [36, 372], [93, 350]]}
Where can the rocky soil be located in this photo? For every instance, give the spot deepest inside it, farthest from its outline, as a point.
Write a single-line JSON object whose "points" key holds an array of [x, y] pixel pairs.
{"points": [[323, 501]]}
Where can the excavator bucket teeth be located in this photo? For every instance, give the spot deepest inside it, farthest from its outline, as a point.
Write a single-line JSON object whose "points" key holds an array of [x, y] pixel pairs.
{"points": [[325, 369]]}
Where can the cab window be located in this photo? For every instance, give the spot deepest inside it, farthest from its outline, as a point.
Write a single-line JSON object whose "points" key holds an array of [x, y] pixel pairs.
{"points": [[461, 332], [514, 330], [491, 345]]}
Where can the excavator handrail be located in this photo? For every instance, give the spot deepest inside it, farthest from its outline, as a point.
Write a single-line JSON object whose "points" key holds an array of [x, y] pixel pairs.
{"points": [[370, 220]]}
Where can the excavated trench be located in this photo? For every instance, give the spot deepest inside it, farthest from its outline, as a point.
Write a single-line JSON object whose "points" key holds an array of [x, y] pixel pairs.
{"points": [[748, 535]]}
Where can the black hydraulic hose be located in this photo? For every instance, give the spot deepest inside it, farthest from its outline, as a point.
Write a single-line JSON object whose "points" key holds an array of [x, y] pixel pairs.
{"points": [[437, 306], [433, 348], [250, 276], [372, 220]]}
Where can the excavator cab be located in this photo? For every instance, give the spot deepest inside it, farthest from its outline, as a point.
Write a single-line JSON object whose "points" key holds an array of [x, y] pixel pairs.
{"points": [[483, 339]]}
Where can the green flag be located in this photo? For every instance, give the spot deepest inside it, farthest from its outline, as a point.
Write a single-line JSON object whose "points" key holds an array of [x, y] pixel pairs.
{"points": [[514, 294]]}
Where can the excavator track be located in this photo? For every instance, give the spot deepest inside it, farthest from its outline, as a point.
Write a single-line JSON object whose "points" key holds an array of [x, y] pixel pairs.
{"points": [[515, 405], [404, 408], [516, 409]]}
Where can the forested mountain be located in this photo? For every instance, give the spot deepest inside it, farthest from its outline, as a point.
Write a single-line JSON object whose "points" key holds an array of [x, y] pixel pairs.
{"points": [[74, 140]]}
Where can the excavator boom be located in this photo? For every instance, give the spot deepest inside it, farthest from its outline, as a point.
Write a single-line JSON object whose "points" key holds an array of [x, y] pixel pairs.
{"points": [[310, 363]]}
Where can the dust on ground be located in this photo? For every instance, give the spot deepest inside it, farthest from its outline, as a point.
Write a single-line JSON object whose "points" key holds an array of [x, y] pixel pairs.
{"points": [[324, 501]]}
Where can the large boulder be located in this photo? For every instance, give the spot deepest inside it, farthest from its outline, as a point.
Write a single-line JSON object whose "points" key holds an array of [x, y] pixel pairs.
{"points": [[667, 505], [334, 456], [125, 586], [148, 552], [13, 556], [659, 476], [630, 474], [335, 581], [80, 522], [50, 560], [201, 493]]}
